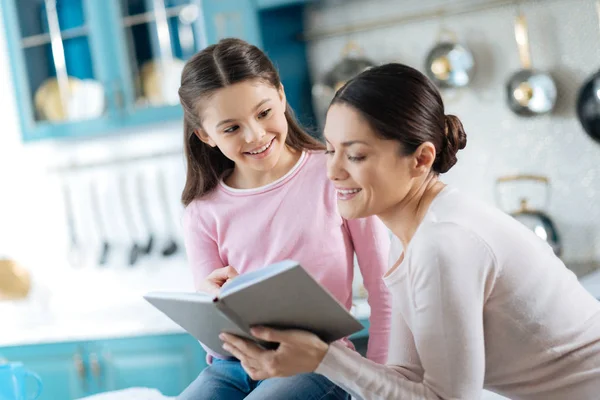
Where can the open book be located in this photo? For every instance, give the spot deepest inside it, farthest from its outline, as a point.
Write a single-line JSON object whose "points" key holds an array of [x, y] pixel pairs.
{"points": [[282, 295]]}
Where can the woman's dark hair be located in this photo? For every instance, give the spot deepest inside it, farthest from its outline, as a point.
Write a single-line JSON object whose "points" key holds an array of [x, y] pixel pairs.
{"points": [[228, 62], [402, 104]]}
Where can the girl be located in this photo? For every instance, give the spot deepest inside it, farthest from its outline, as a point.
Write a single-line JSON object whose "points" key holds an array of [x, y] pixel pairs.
{"points": [[256, 192], [479, 300]]}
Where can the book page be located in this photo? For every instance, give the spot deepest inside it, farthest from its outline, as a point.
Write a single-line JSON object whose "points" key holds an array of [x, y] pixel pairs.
{"points": [[250, 278]]}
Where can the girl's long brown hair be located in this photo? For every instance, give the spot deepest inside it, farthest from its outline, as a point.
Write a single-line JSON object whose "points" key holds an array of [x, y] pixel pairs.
{"points": [[228, 62]]}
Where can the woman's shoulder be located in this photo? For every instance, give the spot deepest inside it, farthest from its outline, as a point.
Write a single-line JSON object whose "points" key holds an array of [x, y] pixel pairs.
{"points": [[450, 241]]}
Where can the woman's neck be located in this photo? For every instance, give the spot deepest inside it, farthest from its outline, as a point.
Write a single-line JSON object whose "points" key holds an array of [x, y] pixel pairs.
{"points": [[404, 218], [250, 179]]}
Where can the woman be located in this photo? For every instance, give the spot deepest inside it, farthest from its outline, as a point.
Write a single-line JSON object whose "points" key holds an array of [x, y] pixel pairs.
{"points": [[479, 300]]}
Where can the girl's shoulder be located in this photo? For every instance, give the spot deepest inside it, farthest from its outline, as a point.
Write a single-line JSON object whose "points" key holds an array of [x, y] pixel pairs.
{"points": [[316, 162]]}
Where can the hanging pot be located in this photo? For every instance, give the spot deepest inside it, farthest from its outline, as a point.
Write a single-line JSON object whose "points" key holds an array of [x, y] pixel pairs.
{"points": [[449, 64], [536, 220], [588, 101], [529, 91], [352, 63]]}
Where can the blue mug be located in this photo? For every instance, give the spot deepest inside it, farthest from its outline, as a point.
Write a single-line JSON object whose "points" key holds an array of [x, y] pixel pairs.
{"points": [[13, 382]]}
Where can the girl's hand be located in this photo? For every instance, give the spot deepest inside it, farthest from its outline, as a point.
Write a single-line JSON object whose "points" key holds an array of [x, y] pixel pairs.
{"points": [[298, 352], [213, 282]]}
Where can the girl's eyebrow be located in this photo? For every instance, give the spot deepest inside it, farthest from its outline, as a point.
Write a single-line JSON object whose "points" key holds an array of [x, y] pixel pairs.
{"points": [[227, 121]]}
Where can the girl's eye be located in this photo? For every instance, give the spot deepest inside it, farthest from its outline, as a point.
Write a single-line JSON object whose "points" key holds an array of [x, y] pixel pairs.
{"points": [[328, 151], [265, 113], [356, 158], [231, 129]]}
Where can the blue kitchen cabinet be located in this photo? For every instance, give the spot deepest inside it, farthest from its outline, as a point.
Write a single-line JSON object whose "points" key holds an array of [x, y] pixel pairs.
{"points": [[77, 369], [60, 366], [111, 64], [266, 4], [167, 363]]}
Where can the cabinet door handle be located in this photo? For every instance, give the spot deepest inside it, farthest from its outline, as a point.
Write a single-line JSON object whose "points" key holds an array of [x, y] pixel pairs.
{"points": [[95, 365], [96, 370], [81, 370]]}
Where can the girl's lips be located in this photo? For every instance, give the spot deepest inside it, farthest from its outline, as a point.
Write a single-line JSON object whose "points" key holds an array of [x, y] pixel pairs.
{"points": [[262, 151]]}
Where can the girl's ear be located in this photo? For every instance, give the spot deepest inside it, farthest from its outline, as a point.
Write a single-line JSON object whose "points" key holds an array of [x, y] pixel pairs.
{"points": [[282, 96], [203, 136]]}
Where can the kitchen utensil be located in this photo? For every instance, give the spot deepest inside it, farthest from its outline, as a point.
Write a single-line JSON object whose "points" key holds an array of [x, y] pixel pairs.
{"points": [[187, 16], [74, 255], [86, 100], [449, 64], [171, 246], [538, 221], [161, 77], [588, 101], [529, 91], [15, 380], [143, 203], [352, 63], [58, 53], [135, 249], [99, 222]]}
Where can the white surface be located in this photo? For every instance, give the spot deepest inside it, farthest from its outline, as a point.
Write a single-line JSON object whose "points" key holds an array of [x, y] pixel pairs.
{"points": [[136, 318], [129, 394], [132, 316]]}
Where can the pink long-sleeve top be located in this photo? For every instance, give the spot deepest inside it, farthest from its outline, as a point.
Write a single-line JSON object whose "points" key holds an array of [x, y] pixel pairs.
{"points": [[295, 217]]}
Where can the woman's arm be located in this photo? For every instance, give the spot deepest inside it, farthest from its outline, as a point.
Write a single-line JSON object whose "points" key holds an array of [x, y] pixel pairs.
{"points": [[451, 275], [371, 243]]}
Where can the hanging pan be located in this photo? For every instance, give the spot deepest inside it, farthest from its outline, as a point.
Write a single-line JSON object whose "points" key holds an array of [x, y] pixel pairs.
{"points": [[529, 91]]}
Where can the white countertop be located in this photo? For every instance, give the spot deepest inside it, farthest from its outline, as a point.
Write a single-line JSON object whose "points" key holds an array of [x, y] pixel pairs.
{"points": [[131, 320], [128, 316]]}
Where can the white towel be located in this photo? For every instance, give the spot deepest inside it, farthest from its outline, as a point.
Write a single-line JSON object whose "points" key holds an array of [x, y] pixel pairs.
{"points": [[136, 393]]}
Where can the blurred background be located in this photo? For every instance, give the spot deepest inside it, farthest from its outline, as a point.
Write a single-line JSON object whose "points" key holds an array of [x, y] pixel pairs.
{"points": [[91, 163]]}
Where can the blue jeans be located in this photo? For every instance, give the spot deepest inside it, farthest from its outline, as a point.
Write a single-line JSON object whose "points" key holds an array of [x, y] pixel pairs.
{"points": [[227, 380]]}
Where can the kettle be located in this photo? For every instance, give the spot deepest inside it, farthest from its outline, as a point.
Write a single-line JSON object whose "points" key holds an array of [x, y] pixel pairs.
{"points": [[15, 382], [537, 220]]}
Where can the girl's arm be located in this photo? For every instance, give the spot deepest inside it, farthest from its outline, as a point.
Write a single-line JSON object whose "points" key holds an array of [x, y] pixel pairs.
{"points": [[451, 275], [201, 246], [371, 242]]}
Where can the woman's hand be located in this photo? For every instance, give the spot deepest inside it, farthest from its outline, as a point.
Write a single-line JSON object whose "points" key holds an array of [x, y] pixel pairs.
{"points": [[213, 282], [298, 352]]}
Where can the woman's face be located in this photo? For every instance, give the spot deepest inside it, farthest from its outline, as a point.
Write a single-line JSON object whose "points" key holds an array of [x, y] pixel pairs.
{"points": [[369, 173]]}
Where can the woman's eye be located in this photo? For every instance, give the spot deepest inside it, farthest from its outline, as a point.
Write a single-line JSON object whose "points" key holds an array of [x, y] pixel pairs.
{"points": [[356, 158], [328, 151], [265, 113], [231, 129]]}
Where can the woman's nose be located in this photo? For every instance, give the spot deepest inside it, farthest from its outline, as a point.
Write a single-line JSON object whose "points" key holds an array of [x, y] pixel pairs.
{"points": [[335, 171]]}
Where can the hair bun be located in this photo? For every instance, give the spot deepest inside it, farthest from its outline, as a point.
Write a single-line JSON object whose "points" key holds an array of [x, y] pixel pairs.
{"points": [[456, 139]]}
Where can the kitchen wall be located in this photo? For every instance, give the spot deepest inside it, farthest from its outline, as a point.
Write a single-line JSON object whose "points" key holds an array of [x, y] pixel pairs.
{"points": [[564, 39], [33, 223]]}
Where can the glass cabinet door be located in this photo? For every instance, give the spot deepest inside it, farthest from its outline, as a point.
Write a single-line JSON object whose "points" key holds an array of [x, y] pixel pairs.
{"points": [[160, 35], [60, 71]]}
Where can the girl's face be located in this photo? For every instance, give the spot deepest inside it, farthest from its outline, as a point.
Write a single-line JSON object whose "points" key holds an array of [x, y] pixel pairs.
{"points": [[369, 173], [246, 121]]}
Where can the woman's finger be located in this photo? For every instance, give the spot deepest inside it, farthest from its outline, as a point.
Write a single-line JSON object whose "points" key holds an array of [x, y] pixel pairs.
{"points": [[254, 373], [234, 351], [245, 346]]}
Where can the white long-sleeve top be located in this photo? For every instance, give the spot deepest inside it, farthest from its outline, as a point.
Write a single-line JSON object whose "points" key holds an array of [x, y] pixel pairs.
{"points": [[479, 302]]}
